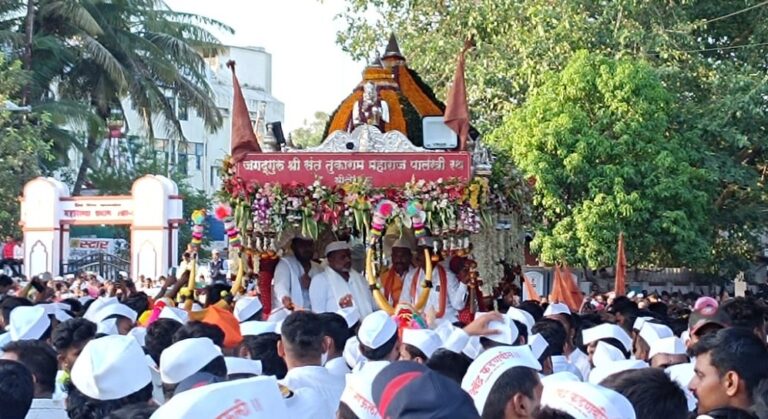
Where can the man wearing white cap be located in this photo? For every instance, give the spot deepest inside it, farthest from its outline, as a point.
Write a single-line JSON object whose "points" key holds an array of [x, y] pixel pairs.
{"points": [[609, 333], [393, 278], [29, 323], [667, 352], [302, 345], [248, 309], [293, 276], [648, 334], [379, 345], [586, 401], [338, 286], [447, 295], [188, 357], [110, 372], [504, 383], [419, 344]]}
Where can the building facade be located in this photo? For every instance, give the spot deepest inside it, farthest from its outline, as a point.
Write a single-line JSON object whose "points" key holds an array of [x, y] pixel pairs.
{"points": [[200, 156]]}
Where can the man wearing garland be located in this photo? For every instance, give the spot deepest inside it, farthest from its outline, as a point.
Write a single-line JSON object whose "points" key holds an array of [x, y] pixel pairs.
{"points": [[447, 296], [393, 278]]}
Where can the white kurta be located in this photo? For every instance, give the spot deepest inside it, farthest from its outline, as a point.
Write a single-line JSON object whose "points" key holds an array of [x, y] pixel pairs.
{"points": [[329, 386], [285, 282], [329, 287], [455, 299], [307, 403], [360, 384], [47, 409], [338, 366]]}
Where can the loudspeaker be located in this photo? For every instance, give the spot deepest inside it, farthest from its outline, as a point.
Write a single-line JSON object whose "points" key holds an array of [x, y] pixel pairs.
{"points": [[277, 130]]}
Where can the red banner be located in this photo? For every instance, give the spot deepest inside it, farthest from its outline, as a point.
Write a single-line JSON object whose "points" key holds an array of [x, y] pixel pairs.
{"points": [[382, 169]]}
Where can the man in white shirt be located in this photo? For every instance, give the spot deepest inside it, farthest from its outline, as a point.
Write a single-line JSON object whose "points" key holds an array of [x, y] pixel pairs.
{"points": [[41, 361], [447, 296], [338, 286], [302, 346], [336, 333], [379, 345], [293, 275]]}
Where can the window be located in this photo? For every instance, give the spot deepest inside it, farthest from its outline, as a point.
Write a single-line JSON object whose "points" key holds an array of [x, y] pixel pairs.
{"points": [[199, 151], [213, 175], [183, 112], [183, 162]]}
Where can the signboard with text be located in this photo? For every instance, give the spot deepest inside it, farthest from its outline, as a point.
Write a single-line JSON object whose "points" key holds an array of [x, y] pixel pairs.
{"points": [[112, 210], [382, 169], [79, 247]]}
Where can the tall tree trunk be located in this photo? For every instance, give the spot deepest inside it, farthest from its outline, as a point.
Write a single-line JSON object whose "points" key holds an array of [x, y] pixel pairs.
{"points": [[29, 28], [91, 146]]}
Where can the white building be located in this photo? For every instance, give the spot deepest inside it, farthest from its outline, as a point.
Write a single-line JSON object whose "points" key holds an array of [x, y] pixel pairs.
{"points": [[201, 156]]}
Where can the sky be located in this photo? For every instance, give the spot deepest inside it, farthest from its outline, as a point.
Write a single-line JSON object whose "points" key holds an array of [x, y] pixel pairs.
{"points": [[309, 71]]}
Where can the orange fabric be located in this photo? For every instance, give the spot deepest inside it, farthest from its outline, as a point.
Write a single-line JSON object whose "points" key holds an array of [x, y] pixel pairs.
{"points": [[343, 115], [572, 290], [442, 274], [396, 118], [393, 285], [621, 268], [243, 139], [557, 293], [456, 107], [530, 290], [420, 101], [222, 318]]}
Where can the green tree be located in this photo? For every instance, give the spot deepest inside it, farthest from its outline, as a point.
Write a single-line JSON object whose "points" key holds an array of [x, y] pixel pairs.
{"points": [[598, 139], [311, 133], [96, 54], [711, 56], [21, 148]]}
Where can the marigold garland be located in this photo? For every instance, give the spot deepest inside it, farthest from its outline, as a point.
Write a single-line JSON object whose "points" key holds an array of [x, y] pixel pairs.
{"points": [[423, 104]]}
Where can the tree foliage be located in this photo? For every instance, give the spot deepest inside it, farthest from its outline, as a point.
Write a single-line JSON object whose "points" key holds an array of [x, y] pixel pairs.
{"points": [[94, 54], [311, 133], [596, 137], [711, 57], [21, 149]]}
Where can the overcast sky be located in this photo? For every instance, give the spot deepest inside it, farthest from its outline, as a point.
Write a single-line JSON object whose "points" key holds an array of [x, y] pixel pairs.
{"points": [[309, 71]]}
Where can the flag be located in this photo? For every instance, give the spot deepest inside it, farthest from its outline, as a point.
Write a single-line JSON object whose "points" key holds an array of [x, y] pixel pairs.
{"points": [[242, 138], [530, 290], [621, 268], [573, 293], [557, 295], [456, 108]]}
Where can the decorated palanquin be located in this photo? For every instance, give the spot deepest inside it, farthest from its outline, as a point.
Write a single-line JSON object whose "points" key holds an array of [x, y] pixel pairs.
{"points": [[370, 181]]}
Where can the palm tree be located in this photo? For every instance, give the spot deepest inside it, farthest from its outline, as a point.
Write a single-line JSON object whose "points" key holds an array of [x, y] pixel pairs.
{"points": [[89, 55]]}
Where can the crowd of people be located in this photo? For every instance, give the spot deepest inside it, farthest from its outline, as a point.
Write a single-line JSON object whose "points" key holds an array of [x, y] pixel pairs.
{"points": [[320, 346]]}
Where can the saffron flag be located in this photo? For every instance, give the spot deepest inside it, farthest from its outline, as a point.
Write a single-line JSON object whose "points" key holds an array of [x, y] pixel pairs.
{"points": [[573, 293], [557, 295], [456, 107], [621, 268], [242, 138]]}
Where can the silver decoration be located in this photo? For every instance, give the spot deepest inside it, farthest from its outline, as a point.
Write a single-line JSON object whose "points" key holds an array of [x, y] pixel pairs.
{"points": [[365, 137], [269, 142], [482, 159]]}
